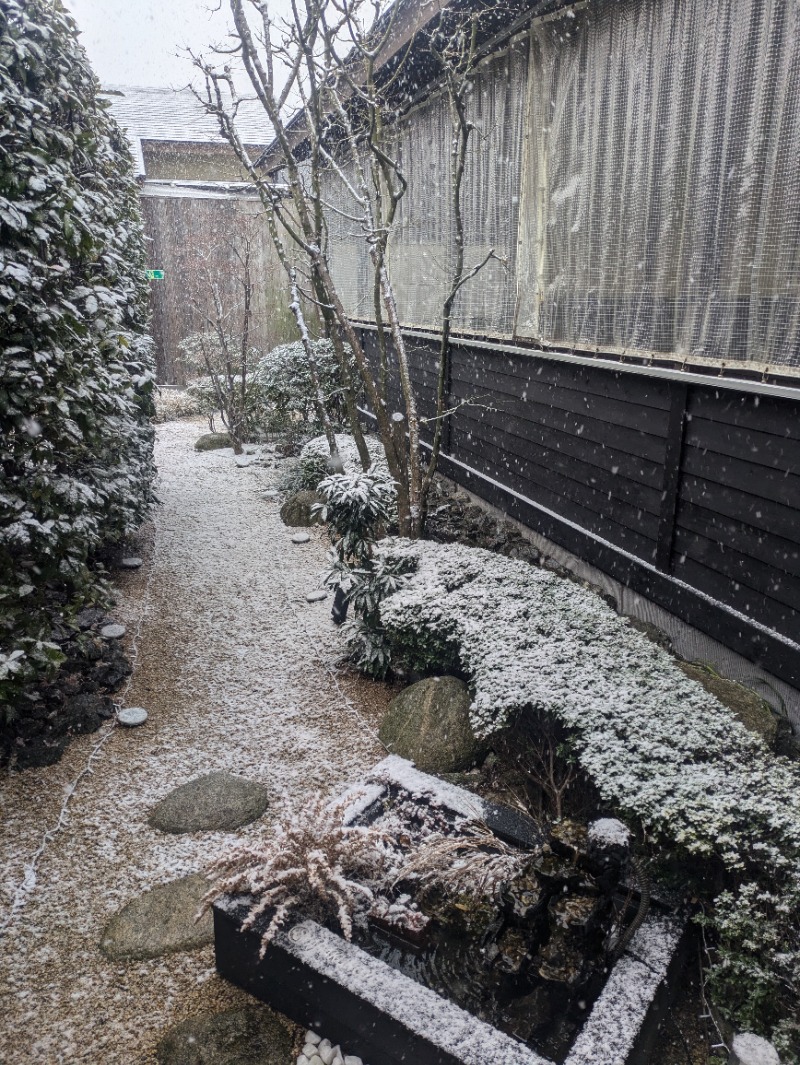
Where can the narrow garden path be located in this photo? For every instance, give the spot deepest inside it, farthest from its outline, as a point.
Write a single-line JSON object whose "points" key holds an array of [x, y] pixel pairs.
{"points": [[235, 667]]}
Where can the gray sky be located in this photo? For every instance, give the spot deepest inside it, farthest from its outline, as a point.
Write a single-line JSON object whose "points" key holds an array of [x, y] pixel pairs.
{"points": [[135, 42]]}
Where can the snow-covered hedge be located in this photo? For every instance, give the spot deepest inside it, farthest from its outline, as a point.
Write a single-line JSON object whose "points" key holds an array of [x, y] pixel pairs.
{"points": [[75, 360], [348, 452], [660, 749]]}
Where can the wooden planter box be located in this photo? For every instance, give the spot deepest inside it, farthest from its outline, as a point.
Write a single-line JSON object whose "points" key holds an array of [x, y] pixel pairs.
{"points": [[334, 987]]}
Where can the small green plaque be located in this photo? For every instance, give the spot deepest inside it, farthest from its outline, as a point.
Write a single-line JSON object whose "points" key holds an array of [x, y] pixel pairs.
{"points": [[155, 275]]}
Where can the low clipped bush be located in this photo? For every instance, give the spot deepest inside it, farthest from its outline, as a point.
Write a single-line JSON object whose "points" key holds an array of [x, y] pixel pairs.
{"points": [[75, 360], [659, 749]]}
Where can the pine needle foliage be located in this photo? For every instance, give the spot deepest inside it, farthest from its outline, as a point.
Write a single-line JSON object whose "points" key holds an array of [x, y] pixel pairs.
{"points": [[75, 359]]}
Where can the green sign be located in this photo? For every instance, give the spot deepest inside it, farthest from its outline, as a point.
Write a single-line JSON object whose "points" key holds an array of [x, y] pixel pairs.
{"points": [[155, 275]]}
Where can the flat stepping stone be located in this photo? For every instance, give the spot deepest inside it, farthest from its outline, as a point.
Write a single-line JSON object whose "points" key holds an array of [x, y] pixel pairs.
{"points": [[316, 597], [132, 716], [131, 563], [161, 921], [271, 493], [248, 1036], [113, 632], [300, 538], [216, 802]]}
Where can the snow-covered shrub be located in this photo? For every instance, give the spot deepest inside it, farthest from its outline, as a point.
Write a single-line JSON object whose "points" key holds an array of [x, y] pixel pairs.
{"points": [[75, 361], [348, 452], [285, 378], [659, 748], [172, 403], [303, 474]]}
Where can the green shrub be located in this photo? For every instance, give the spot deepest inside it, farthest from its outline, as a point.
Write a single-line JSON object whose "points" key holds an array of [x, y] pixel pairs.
{"points": [[287, 389], [75, 361]]}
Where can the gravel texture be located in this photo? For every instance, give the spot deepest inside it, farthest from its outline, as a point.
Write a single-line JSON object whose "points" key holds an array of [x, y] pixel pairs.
{"points": [[236, 670]]}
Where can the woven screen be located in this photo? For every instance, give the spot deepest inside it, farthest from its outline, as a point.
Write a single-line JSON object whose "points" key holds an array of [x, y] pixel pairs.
{"points": [[661, 204], [636, 167]]}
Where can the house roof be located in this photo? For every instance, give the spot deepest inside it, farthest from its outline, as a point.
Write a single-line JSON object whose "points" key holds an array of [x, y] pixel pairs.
{"points": [[175, 115]]}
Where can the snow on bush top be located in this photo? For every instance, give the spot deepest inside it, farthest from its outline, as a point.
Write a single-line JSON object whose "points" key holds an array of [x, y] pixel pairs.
{"points": [[348, 452], [75, 362], [656, 744]]}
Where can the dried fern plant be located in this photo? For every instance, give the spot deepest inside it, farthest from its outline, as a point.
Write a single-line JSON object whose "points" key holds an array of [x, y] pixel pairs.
{"points": [[474, 862], [311, 863]]}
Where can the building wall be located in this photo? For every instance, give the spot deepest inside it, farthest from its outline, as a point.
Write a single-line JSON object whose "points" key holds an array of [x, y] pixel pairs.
{"points": [[192, 239], [172, 161], [686, 491]]}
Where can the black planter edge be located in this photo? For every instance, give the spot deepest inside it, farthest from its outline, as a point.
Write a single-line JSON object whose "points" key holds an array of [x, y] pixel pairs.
{"points": [[304, 974]]}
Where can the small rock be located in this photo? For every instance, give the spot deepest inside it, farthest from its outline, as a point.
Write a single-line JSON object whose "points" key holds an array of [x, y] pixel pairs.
{"points": [[245, 460], [112, 632], [132, 716], [313, 1038], [428, 723], [216, 802], [248, 1036], [351, 1059], [316, 597], [159, 922], [325, 1051], [297, 510], [92, 615], [131, 563], [271, 493], [316, 1060], [300, 538], [748, 706]]}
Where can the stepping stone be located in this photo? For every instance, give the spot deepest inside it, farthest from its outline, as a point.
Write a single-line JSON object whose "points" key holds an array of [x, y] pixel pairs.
{"points": [[131, 563], [316, 597], [216, 802], [248, 1036], [300, 538], [132, 716], [112, 632], [271, 493], [161, 921], [245, 460]]}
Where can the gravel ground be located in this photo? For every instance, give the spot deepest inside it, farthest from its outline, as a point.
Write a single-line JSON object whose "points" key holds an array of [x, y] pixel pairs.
{"points": [[236, 671]]}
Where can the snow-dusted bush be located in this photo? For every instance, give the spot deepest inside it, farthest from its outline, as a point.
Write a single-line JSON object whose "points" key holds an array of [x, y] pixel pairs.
{"points": [[348, 453], [172, 403], [285, 378], [224, 382], [234, 404], [659, 748], [75, 362]]}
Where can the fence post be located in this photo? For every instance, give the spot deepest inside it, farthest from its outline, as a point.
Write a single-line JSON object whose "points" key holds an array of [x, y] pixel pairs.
{"points": [[672, 476]]}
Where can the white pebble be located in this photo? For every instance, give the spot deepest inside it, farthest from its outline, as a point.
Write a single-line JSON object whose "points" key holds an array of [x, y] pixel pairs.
{"points": [[316, 1060], [112, 632], [302, 1060], [351, 1059], [300, 538], [309, 1049], [325, 1051], [313, 1038]]}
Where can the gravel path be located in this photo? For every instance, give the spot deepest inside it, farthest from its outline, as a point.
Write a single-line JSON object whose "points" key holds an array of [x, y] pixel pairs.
{"points": [[235, 668]]}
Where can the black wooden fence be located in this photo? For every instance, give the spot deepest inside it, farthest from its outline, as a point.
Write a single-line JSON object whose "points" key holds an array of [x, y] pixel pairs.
{"points": [[685, 489]]}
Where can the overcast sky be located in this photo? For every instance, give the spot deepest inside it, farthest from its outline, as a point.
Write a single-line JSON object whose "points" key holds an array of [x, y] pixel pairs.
{"points": [[138, 42]]}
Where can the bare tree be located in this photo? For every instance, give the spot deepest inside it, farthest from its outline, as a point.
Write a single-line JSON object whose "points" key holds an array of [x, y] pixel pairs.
{"points": [[332, 53]]}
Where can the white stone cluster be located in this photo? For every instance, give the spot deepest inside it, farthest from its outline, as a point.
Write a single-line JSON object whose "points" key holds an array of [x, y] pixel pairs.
{"points": [[318, 1051]]}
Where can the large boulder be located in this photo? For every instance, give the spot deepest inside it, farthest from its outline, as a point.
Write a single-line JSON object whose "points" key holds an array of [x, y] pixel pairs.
{"points": [[248, 1036], [159, 922], [753, 711], [296, 511], [429, 724], [215, 802]]}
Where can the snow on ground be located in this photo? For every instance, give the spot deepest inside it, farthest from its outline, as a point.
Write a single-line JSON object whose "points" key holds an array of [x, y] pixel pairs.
{"points": [[235, 668]]}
